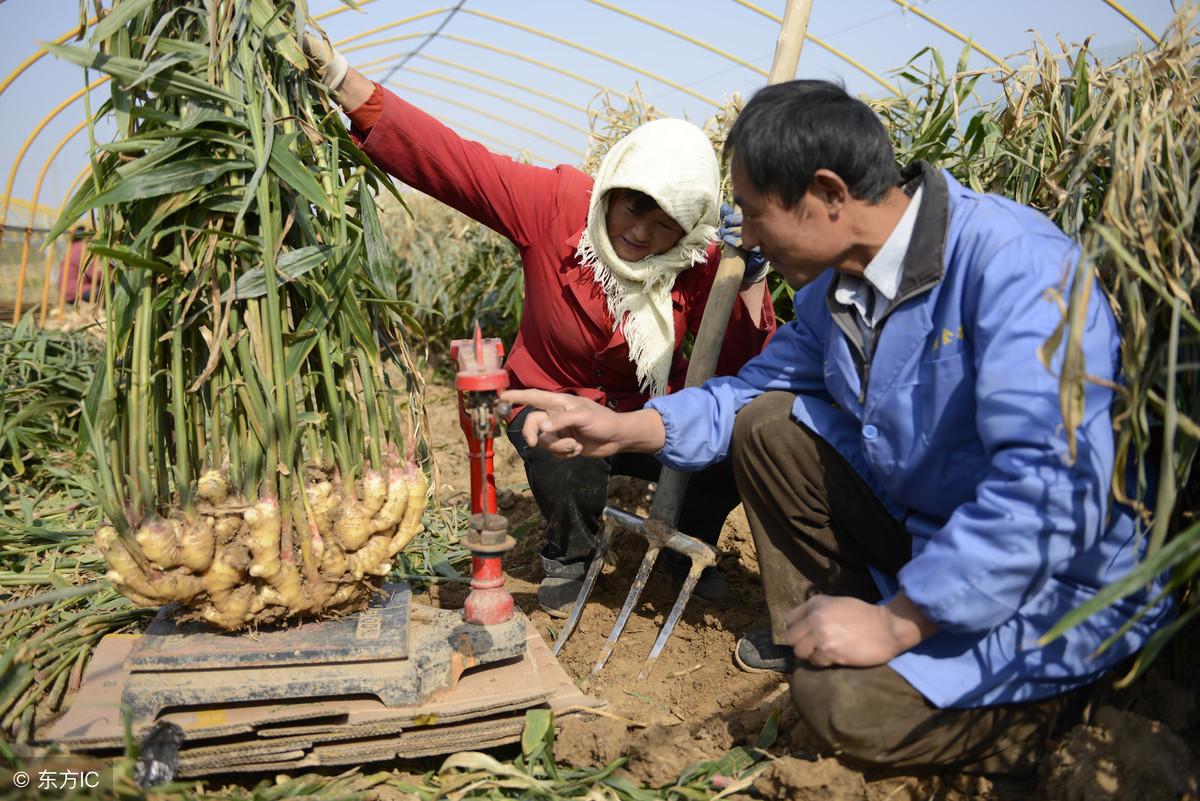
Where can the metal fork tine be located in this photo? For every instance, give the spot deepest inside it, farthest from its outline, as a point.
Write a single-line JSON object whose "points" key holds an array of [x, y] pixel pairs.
{"points": [[589, 582], [635, 592], [685, 594]]}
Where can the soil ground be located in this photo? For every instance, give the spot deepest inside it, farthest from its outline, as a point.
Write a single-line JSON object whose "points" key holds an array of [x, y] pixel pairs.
{"points": [[1142, 743]]}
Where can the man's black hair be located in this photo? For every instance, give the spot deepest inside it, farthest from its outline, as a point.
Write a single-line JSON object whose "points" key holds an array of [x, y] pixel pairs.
{"points": [[790, 130]]}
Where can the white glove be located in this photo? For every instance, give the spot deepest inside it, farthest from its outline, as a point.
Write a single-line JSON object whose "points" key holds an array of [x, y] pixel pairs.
{"points": [[329, 64]]}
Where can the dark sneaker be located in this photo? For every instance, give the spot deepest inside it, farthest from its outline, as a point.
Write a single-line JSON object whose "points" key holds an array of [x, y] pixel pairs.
{"points": [[556, 596], [712, 586], [755, 653]]}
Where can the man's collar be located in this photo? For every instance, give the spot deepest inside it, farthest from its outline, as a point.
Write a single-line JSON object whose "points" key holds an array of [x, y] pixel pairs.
{"points": [[885, 269], [924, 263]]}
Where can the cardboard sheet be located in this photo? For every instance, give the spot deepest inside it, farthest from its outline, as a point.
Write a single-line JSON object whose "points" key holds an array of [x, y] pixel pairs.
{"points": [[486, 709]]}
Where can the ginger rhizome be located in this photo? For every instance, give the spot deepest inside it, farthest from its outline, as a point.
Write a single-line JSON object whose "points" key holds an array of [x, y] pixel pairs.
{"points": [[224, 563]]}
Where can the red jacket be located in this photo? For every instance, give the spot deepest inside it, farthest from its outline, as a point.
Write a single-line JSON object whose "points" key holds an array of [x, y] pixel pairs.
{"points": [[566, 341]]}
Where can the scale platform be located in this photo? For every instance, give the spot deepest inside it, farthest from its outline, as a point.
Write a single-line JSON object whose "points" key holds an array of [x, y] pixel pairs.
{"points": [[395, 650]]}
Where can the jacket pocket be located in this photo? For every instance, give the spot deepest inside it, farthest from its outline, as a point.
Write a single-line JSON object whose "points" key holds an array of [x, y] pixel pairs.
{"points": [[944, 401]]}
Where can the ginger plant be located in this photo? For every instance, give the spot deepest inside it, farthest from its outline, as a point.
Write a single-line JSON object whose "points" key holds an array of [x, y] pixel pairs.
{"points": [[248, 430]]}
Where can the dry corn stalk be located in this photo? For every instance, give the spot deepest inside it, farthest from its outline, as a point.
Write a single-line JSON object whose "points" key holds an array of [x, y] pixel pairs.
{"points": [[609, 122]]}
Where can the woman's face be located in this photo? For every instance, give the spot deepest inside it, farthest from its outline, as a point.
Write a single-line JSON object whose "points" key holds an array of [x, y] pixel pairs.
{"points": [[637, 227]]}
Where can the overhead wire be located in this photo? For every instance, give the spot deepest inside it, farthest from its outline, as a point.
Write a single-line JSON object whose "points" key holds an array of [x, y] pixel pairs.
{"points": [[499, 96], [680, 35], [518, 149], [485, 113], [592, 52], [907, 6], [422, 45], [825, 45]]}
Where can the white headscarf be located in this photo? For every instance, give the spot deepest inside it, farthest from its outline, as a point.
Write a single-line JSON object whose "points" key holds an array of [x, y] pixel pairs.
{"points": [[673, 162]]}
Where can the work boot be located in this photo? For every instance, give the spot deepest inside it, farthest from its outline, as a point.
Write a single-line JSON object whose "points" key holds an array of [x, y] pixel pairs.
{"points": [[560, 587], [556, 596], [757, 653]]}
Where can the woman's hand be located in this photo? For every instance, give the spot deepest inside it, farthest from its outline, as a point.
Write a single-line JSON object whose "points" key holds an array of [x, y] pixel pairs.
{"points": [[349, 87], [568, 425]]}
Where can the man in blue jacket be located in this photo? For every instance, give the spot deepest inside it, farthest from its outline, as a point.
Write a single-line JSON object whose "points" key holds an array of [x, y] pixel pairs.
{"points": [[919, 518]]}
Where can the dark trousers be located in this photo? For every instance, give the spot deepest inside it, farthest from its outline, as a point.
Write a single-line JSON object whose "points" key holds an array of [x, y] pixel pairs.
{"points": [[571, 494], [816, 524]]}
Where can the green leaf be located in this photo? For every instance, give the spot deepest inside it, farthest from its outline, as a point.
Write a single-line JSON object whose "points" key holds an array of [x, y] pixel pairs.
{"points": [[290, 266], [118, 16], [126, 70], [539, 728], [130, 257], [770, 732], [1185, 545], [278, 36], [157, 66], [318, 316], [82, 201], [289, 169], [378, 258], [171, 178]]}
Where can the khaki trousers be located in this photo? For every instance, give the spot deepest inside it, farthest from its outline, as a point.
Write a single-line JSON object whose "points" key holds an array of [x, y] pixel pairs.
{"points": [[816, 524]]}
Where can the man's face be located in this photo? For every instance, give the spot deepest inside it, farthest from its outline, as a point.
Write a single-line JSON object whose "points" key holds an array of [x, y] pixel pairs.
{"points": [[635, 236], [801, 242]]}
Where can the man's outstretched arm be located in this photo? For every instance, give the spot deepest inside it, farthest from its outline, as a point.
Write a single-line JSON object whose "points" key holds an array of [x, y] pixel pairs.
{"points": [[567, 425]]}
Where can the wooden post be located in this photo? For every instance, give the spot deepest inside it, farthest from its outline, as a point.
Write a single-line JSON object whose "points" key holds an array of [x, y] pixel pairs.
{"points": [[728, 278], [791, 41]]}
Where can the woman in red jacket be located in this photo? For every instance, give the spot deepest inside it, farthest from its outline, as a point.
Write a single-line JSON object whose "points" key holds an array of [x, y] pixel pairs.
{"points": [[617, 270]]}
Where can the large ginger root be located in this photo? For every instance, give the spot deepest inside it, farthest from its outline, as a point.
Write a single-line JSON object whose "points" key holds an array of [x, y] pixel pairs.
{"points": [[353, 528], [212, 487], [229, 564], [392, 511], [279, 570], [410, 524], [123, 571], [196, 542], [159, 544]]}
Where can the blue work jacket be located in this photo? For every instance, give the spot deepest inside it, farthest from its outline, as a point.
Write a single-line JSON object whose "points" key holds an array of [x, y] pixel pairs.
{"points": [[954, 421]]}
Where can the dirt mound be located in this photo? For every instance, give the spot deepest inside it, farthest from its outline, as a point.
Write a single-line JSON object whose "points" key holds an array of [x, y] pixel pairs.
{"points": [[1123, 756], [591, 740], [803, 780]]}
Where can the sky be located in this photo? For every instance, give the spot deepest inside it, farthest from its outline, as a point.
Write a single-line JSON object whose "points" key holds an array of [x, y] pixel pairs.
{"points": [[443, 74]]}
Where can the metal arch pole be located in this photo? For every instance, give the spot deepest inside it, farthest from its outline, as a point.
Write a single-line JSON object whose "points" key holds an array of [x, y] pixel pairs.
{"points": [[679, 35], [37, 193], [495, 117], [823, 44], [37, 56], [592, 52], [390, 25], [375, 62], [1120, 9], [505, 98], [37, 130], [907, 6], [62, 290]]}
